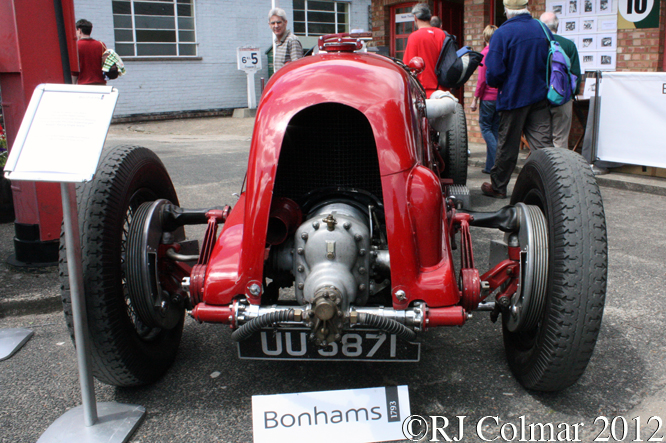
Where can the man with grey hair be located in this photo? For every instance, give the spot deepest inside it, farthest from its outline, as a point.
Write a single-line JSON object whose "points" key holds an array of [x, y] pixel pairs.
{"points": [[561, 115], [516, 66], [426, 42], [287, 46]]}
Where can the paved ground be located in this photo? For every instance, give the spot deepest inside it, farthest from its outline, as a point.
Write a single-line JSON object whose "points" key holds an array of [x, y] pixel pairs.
{"points": [[462, 372]]}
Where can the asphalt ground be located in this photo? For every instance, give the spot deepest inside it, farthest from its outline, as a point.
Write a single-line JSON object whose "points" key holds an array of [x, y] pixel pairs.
{"points": [[206, 395]]}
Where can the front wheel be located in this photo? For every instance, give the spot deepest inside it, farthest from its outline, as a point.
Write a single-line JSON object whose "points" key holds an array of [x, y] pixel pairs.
{"points": [[552, 353], [125, 350]]}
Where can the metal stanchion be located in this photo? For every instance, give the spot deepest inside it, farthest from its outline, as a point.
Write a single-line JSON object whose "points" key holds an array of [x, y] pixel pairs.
{"points": [[92, 421]]}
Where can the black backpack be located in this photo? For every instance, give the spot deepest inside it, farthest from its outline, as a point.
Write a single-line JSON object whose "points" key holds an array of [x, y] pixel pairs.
{"points": [[455, 66]]}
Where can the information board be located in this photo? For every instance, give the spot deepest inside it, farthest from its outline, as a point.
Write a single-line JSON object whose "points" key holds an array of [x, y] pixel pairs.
{"points": [[632, 118], [62, 133]]}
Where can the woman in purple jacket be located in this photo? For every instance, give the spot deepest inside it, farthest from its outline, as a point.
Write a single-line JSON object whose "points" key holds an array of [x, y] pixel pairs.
{"points": [[488, 115]]}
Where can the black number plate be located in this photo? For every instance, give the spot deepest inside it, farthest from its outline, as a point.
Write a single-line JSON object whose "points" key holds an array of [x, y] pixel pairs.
{"points": [[293, 344]]}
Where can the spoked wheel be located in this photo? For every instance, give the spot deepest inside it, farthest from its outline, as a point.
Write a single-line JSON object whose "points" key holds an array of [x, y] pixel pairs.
{"points": [[550, 349], [453, 148], [126, 350]]}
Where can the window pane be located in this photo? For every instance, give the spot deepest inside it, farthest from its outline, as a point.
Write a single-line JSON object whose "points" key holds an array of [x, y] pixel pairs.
{"points": [[148, 22], [342, 7], [299, 16], [299, 4], [122, 8], [153, 24], [299, 28], [321, 17], [185, 23], [320, 28], [123, 35], [342, 18], [187, 49], [124, 49], [156, 49], [141, 8], [321, 6], [122, 21], [155, 36], [185, 10], [342, 28], [186, 36]]}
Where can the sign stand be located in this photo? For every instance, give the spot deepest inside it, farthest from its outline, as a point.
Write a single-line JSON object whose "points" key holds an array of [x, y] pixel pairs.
{"points": [[12, 339], [248, 59], [61, 140]]}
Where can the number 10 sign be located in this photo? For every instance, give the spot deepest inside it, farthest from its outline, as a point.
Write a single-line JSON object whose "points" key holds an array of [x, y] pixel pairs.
{"points": [[249, 59]]}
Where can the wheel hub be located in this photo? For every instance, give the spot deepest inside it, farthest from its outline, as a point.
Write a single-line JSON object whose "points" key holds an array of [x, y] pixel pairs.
{"points": [[154, 304], [528, 303]]}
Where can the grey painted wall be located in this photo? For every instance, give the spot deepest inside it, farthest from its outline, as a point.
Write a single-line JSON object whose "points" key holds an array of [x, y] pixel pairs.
{"points": [[210, 82]]}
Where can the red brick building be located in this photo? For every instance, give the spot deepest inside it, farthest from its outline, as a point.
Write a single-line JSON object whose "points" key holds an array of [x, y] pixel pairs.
{"points": [[637, 49]]}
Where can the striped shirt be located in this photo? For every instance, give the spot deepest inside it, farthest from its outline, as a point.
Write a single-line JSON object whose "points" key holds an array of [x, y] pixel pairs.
{"points": [[286, 50]]}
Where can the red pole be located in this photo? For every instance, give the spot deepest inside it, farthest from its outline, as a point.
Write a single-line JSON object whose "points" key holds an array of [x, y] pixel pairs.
{"points": [[30, 54]]}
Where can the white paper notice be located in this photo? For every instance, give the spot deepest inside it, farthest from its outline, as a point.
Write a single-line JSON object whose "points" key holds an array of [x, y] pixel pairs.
{"points": [[65, 136], [352, 416]]}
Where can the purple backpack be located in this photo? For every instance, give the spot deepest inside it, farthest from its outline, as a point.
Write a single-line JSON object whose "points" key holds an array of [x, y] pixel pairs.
{"points": [[561, 82]]}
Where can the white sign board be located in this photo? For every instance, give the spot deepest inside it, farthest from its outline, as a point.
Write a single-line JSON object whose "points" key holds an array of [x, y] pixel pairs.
{"points": [[62, 133], [404, 17], [632, 119], [249, 59], [352, 416]]}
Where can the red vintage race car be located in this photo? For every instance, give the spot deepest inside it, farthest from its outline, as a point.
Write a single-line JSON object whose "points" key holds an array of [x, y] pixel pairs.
{"points": [[341, 245]]}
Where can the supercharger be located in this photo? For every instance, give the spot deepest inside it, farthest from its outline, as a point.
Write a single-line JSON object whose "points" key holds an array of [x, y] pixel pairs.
{"points": [[331, 260]]}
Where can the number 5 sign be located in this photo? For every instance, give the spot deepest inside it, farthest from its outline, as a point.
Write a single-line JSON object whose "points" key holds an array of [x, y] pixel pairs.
{"points": [[639, 14], [250, 58]]}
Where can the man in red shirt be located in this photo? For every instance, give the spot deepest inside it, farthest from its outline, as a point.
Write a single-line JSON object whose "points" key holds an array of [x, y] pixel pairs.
{"points": [[426, 42], [90, 55]]}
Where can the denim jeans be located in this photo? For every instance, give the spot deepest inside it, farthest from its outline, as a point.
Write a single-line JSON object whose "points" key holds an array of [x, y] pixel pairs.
{"points": [[489, 122]]}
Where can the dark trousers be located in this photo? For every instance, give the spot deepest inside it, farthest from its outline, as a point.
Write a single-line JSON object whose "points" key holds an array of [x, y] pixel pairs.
{"points": [[532, 120]]}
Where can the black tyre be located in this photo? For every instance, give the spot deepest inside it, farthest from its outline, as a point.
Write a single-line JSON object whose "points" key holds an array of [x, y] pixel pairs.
{"points": [[125, 352], [554, 354], [455, 154]]}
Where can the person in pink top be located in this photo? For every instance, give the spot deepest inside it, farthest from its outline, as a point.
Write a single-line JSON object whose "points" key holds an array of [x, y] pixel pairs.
{"points": [[488, 115]]}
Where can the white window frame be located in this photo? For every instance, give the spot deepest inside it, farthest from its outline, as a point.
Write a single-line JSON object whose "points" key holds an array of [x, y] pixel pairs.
{"points": [[335, 14], [176, 29]]}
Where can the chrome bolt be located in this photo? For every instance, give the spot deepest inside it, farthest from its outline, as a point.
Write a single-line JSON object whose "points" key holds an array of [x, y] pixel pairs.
{"points": [[301, 285], [362, 270], [362, 252], [358, 237], [346, 225], [400, 295], [304, 236], [300, 251], [301, 268], [255, 289], [315, 225], [361, 287]]}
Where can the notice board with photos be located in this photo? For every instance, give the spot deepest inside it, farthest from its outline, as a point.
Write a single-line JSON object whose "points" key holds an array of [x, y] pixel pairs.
{"points": [[592, 25]]}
